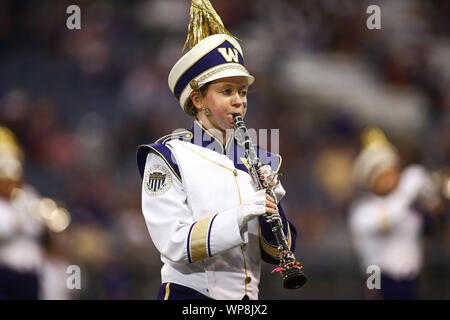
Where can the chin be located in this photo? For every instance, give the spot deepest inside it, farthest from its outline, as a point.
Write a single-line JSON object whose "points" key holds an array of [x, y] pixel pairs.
{"points": [[230, 126]]}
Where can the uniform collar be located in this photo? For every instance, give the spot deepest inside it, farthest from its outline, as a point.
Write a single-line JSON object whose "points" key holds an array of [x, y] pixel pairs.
{"points": [[233, 150], [200, 136], [203, 138]]}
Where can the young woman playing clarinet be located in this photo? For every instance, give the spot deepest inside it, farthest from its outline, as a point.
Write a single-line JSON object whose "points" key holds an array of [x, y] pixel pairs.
{"points": [[203, 212]]}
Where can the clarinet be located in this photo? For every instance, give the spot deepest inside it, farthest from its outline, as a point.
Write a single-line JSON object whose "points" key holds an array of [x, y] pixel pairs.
{"points": [[290, 269]]}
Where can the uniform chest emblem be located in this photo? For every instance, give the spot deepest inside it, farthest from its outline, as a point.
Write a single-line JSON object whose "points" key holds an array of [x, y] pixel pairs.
{"points": [[157, 180]]}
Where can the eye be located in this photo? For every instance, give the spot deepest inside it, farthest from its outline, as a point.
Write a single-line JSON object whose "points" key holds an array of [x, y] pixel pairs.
{"points": [[226, 91], [243, 93]]}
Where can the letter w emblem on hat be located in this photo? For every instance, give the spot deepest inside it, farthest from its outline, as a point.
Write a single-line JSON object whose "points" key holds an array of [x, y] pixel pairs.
{"points": [[231, 55]]}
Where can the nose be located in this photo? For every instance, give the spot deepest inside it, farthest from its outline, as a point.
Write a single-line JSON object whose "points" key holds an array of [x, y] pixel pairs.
{"points": [[239, 104], [239, 101]]}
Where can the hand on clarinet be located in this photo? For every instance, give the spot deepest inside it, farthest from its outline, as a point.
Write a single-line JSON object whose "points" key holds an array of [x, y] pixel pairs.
{"points": [[271, 206], [270, 179], [260, 204]]}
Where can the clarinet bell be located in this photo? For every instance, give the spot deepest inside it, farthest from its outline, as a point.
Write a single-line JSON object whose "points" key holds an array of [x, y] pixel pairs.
{"points": [[293, 278]]}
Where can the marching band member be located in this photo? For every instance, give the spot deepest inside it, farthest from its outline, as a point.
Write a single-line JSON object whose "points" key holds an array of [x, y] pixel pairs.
{"points": [[386, 221], [20, 252], [25, 220], [202, 212]]}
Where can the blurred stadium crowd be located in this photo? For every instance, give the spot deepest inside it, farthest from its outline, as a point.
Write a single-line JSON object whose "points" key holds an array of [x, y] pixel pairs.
{"points": [[81, 101]]}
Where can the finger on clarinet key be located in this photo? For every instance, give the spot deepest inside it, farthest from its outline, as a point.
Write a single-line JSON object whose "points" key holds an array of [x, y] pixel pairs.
{"points": [[269, 198], [271, 204], [271, 210]]}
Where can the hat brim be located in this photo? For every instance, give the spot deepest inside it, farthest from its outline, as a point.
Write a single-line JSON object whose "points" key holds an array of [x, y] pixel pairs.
{"points": [[228, 70]]}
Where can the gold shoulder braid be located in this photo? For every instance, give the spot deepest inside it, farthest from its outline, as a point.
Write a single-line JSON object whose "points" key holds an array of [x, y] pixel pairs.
{"points": [[204, 22]]}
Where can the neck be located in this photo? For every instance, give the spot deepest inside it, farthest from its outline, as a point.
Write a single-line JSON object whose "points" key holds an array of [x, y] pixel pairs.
{"points": [[219, 134]]}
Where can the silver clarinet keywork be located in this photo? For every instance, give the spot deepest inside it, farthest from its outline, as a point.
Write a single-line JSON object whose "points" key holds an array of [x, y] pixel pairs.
{"points": [[290, 269]]}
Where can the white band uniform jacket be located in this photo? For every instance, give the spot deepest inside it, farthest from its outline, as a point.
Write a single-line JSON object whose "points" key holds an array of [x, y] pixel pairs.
{"points": [[387, 230], [190, 195]]}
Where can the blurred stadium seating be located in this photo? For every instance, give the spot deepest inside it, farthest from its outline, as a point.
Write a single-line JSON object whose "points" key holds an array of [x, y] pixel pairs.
{"points": [[81, 101]]}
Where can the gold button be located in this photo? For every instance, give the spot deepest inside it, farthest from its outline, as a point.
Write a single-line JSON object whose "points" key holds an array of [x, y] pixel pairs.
{"points": [[247, 280], [194, 85]]}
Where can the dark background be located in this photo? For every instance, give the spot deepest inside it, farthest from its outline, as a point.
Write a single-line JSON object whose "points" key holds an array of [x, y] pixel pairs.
{"points": [[81, 101]]}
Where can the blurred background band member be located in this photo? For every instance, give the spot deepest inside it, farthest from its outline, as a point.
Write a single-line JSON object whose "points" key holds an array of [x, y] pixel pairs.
{"points": [[20, 254], [387, 219], [29, 270]]}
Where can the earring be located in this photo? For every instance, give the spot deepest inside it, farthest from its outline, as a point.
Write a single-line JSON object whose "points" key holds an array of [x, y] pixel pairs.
{"points": [[206, 111]]}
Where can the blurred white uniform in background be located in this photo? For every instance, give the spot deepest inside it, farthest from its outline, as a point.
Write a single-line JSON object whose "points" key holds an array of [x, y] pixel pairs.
{"points": [[20, 232], [387, 230], [385, 221], [27, 271]]}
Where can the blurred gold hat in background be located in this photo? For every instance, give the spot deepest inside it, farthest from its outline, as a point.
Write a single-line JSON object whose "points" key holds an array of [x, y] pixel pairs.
{"points": [[11, 155], [377, 155]]}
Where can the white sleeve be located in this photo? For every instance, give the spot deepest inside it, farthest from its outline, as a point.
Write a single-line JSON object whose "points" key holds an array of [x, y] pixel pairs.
{"points": [[362, 222], [368, 217], [8, 221], [170, 222], [420, 185]]}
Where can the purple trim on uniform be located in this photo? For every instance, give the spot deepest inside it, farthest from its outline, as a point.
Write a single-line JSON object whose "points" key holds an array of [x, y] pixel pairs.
{"points": [[202, 138], [404, 289], [16, 285], [268, 158], [267, 234], [141, 157], [211, 59], [179, 292], [209, 235], [189, 243], [143, 150]]}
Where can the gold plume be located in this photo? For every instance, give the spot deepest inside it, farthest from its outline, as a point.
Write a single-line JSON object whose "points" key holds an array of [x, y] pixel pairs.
{"points": [[8, 143], [204, 22], [371, 136]]}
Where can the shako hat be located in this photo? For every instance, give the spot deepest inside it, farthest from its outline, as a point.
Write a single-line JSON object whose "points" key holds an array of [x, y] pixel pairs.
{"points": [[377, 155], [11, 155], [214, 54]]}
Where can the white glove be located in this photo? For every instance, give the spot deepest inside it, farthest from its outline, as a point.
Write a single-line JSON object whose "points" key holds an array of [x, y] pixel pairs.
{"points": [[279, 192], [269, 178], [252, 208]]}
